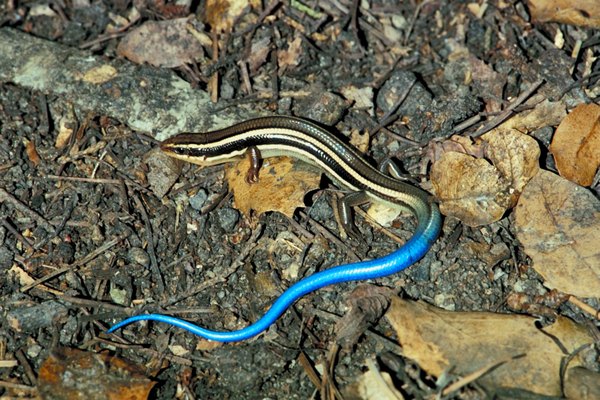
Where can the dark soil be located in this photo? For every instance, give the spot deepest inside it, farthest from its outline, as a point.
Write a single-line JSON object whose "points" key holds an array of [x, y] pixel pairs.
{"points": [[125, 250]]}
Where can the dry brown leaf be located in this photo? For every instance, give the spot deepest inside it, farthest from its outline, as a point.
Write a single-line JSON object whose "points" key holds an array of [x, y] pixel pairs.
{"points": [[32, 152], [222, 14], [582, 384], [362, 97], [291, 56], [558, 224], [373, 385], [282, 185], [515, 155], [468, 341], [576, 144], [258, 53], [65, 129], [76, 374], [545, 113], [469, 189], [573, 12], [477, 192], [366, 303], [162, 44]]}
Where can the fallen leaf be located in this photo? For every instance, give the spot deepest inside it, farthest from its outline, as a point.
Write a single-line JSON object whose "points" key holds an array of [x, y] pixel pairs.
{"points": [[221, 15], [32, 152], [76, 374], [573, 12], [545, 113], [367, 305], [65, 129], [478, 191], [360, 140], [282, 185], [582, 384], [515, 155], [362, 97], [576, 144], [291, 56], [162, 44], [558, 223], [373, 384], [469, 188], [468, 341], [259, 51]]}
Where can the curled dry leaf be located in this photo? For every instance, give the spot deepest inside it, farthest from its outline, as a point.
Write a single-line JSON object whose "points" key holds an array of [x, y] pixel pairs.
{"points": [[576, 144], [470, 341], [558, 223], [282, 185], [162, 44], [573, 12], [367, 305], [477, 192]]}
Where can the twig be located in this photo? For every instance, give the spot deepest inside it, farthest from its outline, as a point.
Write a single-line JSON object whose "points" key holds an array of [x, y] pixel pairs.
{"points": [[504, 115], [5, 196], [100, 250], [24, 362], [584, 307], [17, 234], [250, 245], [85, 180], [476, 375], [150, 239], [330, 236], [17, 386]]}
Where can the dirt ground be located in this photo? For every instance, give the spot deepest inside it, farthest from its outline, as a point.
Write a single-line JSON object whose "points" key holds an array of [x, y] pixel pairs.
{"points": [[81, 205]]}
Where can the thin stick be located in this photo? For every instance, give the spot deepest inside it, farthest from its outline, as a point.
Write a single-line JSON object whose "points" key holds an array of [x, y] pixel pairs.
{"points": [[100, 250]]}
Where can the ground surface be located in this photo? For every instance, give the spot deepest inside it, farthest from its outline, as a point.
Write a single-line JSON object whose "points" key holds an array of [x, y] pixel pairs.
{"points": [[409, 76]]}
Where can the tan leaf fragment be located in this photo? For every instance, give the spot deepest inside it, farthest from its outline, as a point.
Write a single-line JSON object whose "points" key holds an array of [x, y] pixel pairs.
{"points": [[469, 341], [477, 192], [582, 384], [282, 185], [162, 44], [469, 189], [291, 56], [515, 155], [373, 384], [74, 374], [545, 113], [573, 12], [221, 15], [576, 144], [558, 223]]}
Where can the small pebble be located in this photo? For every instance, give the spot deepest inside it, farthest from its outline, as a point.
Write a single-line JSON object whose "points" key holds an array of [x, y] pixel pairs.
{"points": [[198, 200], [228, 218], [139, 256], [6, 257]]}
